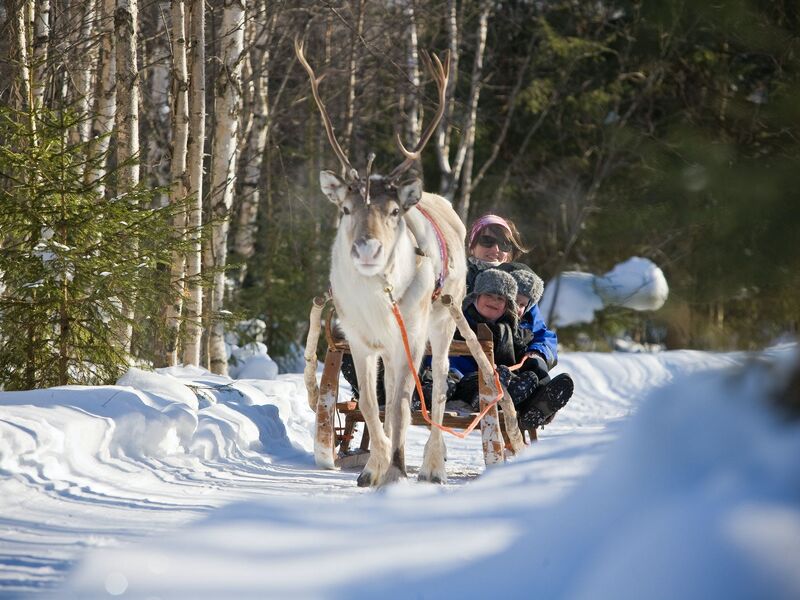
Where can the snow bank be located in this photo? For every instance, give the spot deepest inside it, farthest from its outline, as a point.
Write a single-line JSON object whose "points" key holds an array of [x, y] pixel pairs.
{"points": [[697, 498], [637, 284]]}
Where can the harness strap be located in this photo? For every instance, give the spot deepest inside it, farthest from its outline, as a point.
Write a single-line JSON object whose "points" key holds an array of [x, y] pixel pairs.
{"points": [[442, 252], [459, 434]]}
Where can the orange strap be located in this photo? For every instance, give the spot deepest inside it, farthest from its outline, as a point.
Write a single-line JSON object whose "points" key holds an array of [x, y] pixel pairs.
{"points": [[459, 434]]}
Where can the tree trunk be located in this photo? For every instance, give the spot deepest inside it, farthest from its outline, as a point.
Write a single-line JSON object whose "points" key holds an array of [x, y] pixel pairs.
{"points": [[456, 174], [197, 134], [83, 73], [410, 97], [442, 145], [461, 176], [22, 15], [350, 107], [41, 45], [178, 184], [253, 157], [223, 169], [127, 120], [105, 101]]}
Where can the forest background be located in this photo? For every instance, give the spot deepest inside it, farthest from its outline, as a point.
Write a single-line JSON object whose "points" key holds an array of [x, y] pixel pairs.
{"points": [[159, 164]]}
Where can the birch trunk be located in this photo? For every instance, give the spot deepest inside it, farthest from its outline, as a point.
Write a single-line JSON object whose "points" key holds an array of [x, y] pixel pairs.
{"points": [[105, 103], [456, 172], [83, 74], [197, 134], [253, 156], [127, 121], [410, 99], [178, 184], [22, 12], [461, 176], [442, 145], [41, 45], [350, 107], [156, 127], [223, 168]]}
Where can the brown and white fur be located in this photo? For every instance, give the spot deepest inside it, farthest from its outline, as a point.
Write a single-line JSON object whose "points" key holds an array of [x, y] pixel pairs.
{"points": [[375, 248]]}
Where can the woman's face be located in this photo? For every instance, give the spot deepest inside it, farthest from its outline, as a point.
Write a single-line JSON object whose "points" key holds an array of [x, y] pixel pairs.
{"points": [[491, 246], [490, 306]]}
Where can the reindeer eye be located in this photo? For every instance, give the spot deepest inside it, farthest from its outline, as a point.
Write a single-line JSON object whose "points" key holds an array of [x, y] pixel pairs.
{"points": [[395, 212], [345, 210]]}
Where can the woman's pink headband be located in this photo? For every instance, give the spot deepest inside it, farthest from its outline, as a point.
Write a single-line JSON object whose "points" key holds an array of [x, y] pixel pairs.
{"points": [[484, 222]]}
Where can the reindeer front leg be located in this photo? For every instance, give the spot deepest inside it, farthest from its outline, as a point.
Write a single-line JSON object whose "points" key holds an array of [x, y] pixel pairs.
{"points": [[400, 386], [433, 468], [366, 364]]}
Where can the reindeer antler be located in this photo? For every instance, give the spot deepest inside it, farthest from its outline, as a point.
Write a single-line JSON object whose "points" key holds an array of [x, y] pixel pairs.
{"points": [[350, 172], [440, 73]]}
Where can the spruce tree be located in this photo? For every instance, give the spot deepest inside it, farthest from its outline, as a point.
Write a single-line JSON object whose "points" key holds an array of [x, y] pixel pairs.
{"points": [[71, 257]]}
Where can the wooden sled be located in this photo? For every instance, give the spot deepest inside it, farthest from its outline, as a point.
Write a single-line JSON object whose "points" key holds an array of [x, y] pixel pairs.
{"points": [[336, 420]]}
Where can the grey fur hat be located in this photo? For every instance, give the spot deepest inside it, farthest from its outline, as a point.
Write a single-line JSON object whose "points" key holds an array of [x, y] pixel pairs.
{"points": [[529, 284], [500, 283]]}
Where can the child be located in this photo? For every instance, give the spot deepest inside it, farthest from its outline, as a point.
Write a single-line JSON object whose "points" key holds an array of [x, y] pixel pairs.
{"points": [[539, 405], [495, 301]]}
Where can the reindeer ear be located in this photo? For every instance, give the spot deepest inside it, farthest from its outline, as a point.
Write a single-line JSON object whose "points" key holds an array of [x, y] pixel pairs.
{"points": [[409, 193], [333, 187]]}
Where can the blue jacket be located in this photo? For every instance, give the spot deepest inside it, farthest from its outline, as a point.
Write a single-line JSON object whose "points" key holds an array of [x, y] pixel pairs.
{"points": [[543, 341]]}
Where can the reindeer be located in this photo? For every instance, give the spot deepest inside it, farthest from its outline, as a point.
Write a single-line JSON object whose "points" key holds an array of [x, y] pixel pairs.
{"points": [[394, 243]]}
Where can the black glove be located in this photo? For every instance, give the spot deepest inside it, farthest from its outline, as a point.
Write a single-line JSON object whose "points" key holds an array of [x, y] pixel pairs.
{"points": [[536, 363]]}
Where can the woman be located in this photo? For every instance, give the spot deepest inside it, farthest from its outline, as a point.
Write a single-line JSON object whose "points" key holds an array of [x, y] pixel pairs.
{"points": [[494, 243]]}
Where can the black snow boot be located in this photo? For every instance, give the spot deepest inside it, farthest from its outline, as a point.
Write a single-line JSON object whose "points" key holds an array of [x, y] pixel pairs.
{"points": [[547, 400]]}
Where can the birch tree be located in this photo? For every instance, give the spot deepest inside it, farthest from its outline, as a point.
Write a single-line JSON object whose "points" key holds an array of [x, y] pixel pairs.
{"points": [[22, 12], [127, 115], [105, 96], [223, 168], [196, 141], [41, 45], [250, 167], [409, 101], [457, 172], [178, 183], [83, 72]]}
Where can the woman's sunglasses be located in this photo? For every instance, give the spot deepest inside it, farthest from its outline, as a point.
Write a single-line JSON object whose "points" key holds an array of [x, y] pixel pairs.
{"points": [[487, 241]]}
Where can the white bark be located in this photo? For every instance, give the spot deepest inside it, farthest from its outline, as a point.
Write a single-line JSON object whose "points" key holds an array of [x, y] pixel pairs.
{"points": [[22, 13], [157, 119], [457, 172], [197, 134], [83, 71], [411, 103], [41, 44], [178, 184], [442, 145], [127, 116], [350, 107], [105, 101], [223, 167], [462, 165], [250, 168]]}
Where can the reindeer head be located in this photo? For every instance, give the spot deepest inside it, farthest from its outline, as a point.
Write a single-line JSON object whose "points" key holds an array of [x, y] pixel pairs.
{"points": [[371, 216], [372, 207]]}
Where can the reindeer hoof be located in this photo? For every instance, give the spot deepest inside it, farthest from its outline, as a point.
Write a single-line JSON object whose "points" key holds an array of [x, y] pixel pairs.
{"points": [[365, 479], [430, 478], [393, 475]]}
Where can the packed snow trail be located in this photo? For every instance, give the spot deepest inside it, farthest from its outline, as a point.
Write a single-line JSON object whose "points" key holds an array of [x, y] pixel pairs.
{"points": [[152, 461]]}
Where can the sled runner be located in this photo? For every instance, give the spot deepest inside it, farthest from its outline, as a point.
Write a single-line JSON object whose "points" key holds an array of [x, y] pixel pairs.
{"points": [[336, 420]]}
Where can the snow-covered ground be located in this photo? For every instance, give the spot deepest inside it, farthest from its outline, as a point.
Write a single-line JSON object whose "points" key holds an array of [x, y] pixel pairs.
{"points": [[668, 475]]}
